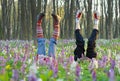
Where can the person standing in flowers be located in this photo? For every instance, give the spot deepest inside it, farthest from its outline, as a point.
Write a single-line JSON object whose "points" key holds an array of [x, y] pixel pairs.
{"points": [[79, 50], [41, 39]]}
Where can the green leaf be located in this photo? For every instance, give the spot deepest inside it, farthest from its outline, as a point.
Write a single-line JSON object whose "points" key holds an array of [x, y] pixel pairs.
{"points": [[50, 73], [43, 77]]}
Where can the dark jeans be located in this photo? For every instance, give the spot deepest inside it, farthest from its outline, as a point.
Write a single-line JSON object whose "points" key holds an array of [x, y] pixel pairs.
{"points": [[80, 45]]}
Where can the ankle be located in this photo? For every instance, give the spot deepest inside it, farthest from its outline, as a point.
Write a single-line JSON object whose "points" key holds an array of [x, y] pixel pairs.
{"points": [[95, 27], [77, 26], [96, 21]]}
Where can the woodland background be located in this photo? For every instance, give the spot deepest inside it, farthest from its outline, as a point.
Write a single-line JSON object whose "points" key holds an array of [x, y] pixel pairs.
{"points": [[18, 18]]}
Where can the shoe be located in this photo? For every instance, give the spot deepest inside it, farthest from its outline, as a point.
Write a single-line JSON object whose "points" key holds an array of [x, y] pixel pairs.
{"points": [[56, 18], [39, 17], [79, 14], [96, 15]]}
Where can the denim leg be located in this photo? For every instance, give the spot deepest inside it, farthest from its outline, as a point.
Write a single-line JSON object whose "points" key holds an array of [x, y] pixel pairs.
{"points": [[52, 47], [41, 46], [79, 50], [91, 53]]}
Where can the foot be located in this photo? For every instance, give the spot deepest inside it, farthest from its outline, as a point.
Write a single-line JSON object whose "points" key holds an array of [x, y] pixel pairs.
{"points": [[56, 18], [96, 15], [39, 17], [78, 15], [96, 19]]}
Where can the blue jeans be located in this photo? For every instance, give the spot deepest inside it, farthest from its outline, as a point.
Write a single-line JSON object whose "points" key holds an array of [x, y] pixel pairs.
{"points": [[41, 47]]}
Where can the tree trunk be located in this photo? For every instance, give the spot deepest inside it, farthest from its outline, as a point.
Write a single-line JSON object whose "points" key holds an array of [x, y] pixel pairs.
{"points": [[71, 20], [116, 33], [4, 18], [33, 13], [110, 18], [89, 18], [66, 16]]}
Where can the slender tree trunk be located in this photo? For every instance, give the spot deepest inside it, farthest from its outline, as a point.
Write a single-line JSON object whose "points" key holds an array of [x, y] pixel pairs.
{"points": [[71, 20], [4, 17], [116, 33], [33, 13], [44, 20], [119, 19], [39, 6], [14, 33], [89, 18], [54, 9], [66, 16], [110, 18], [102, 28]]}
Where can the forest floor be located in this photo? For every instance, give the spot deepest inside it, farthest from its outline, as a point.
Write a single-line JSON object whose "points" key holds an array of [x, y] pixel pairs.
{"points": [[17, 62]]}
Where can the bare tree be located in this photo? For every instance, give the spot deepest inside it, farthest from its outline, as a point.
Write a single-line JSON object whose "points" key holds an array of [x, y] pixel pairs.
{"points": [[71, 19], [33, 14]]}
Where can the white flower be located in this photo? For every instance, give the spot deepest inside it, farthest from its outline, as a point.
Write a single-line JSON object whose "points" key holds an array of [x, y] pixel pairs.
{"points": [[93, 64], [29, 61], [39, 79], [59, 80], [73, 66], [33, 69], [119, 70]]}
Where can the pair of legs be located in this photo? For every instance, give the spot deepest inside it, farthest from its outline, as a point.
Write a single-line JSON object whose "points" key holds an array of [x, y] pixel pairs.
{"points": [[79, 51], [40, 37]]}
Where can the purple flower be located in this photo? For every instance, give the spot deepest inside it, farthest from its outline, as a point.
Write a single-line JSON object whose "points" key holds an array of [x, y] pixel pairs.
{"points": [[77, 79], [104, 59], [2, 61], [32, 77], [111, 75], [7, 48], [23, 68], [71, 59], [94, 75], [63, 52], [112, 63], [77, 73], [15, 75], [55, 70]]}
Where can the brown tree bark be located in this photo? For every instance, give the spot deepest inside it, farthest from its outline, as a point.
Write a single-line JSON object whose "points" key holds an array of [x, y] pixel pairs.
{"points": [[33, 17], [71, 19]]}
